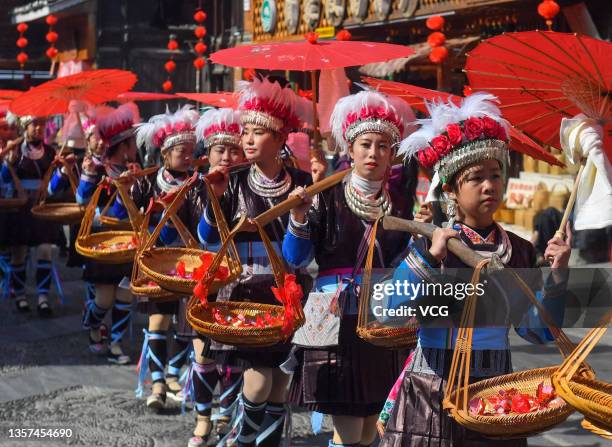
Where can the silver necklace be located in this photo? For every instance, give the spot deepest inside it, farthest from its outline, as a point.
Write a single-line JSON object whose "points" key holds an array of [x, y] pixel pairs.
{"points": [[367, 209], [268, 188]]}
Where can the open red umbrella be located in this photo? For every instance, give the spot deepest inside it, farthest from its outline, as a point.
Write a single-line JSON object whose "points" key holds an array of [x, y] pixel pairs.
{"points": [[309, 55], [144, 96], [93, 86], [218, 99], [10, 94], [416, 97], [543, 76]]}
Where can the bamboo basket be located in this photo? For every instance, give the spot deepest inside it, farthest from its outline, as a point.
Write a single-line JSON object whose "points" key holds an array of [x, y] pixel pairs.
{"points": [[459, 391], [21, 198], [66, 212], [140, 285], [87, 243], [591, 397], [200, 315], [113, 223], [374, 332], [201, 318], [157, 263]]}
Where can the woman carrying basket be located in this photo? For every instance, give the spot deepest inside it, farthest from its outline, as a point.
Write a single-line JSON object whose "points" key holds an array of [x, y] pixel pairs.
{"points": [[269, 111], [467, 147], [116, 130], [220, 132], [350, 378], [30, 158], [173, 135]]}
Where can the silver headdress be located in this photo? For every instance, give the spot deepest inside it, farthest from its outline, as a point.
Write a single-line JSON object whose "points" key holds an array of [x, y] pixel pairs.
{"points": [[219, 126], [168, 129], [370, 111], [265, 103], [457, 136]]}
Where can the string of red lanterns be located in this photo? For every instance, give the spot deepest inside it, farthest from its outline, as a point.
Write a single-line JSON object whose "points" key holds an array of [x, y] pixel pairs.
{"points": [[170, 65], [51, 36], [200, 32], [22, 42], [548, 9], [436, 39]]}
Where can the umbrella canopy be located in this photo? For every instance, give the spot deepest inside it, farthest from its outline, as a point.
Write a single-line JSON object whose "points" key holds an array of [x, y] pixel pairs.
{"points": [[10, 94], [218, 99], [144, 96], [53, 97], [416, 97], [543, 76], [309, 55]]}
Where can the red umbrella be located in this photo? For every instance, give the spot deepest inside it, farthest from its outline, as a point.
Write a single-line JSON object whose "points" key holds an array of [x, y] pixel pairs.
{"points": [[10, 94], [416, 97], [219, 99], [144, 96], [543, 76], [309, 55], [93, 86]]}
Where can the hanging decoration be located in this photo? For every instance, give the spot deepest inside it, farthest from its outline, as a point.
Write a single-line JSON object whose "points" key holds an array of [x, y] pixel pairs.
{"points": [[200, 32], [548, 9], [51, 36], [436, 39], [22, 42], [170, 65]]}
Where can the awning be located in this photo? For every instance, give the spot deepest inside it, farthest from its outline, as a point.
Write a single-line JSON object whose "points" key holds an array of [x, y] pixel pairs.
{"points": [[38, 9], [421, 53]]}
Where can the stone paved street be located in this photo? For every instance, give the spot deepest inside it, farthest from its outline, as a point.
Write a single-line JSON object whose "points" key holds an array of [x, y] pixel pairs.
{"points": [[48, 378]]}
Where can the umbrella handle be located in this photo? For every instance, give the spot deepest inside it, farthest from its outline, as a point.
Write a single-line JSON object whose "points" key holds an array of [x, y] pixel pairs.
{"points": [[560, 233], [316, 151]]}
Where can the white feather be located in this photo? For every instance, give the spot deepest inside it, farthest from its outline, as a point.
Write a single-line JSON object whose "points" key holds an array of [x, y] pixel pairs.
{"points": [[368, 99], [444, 113], [212, 117], [278, 96]]}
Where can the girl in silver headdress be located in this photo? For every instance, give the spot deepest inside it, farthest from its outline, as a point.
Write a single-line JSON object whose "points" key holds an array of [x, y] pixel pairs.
{"points": [[350, 380], [467, 148]]}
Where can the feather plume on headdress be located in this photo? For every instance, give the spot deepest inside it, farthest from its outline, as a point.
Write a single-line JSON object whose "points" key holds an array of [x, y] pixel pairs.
{"points": [[370, 111], [266, 103], [219, 126]]}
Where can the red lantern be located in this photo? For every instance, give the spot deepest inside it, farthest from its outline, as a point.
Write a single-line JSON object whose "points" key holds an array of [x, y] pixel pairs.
{"points": [[170, 66], [438, 55], [548, 9], [436, 39], [22, 58], [199, 63], [51, 52], [435, 23], [173, 45], [200, 48], [22, 42], [344, 35], [51, 37], [200, 32], [167, 86], [22, 27], [51, 20], [199, 16]]}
